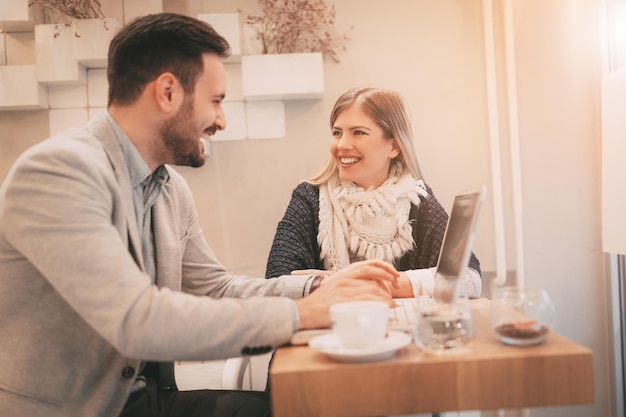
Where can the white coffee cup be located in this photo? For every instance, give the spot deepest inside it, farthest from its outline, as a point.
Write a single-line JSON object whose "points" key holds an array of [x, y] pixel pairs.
{"points": [[360, 324]]}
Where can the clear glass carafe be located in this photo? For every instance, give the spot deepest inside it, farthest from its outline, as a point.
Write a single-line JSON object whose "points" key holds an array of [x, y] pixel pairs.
{"points": [[444, 327]]}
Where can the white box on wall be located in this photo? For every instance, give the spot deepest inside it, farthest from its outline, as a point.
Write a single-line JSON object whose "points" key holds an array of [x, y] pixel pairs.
{"points": [[61, 119], [55, 56], [14, 11], [233, 83], [20, 48], [67, 96], [266, 119], [19, 89], [97, 87], [137, 8], [91, 40], [235, 122], [282, 76], [113, 9], [227, 25]]}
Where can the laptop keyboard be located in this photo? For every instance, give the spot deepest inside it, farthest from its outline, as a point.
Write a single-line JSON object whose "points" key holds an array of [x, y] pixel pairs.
{"points": [[403, 316]]}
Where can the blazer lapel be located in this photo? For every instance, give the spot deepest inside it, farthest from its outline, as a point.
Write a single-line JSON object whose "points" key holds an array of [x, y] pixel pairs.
{"points": [[167, 240], [103, 131]]}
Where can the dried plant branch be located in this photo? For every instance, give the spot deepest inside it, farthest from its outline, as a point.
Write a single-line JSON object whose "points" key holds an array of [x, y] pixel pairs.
{"points": [[73, 9], [67, 10], [289, 26]]}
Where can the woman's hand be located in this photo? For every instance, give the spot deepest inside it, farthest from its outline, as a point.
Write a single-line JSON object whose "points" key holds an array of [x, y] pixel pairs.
{"points": [[398, 282], [365, 280], [405, 290]]}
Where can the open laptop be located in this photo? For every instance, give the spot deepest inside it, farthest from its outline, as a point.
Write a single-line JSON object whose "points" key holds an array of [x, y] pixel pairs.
{"points": [[454, 255], [458, 240]]}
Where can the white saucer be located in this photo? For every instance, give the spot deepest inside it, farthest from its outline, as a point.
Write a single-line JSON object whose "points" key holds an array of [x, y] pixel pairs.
{"points": [[387, 348]]}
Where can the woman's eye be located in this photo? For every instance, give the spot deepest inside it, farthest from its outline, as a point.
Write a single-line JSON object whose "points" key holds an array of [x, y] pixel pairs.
{"points": [[336, 133]]}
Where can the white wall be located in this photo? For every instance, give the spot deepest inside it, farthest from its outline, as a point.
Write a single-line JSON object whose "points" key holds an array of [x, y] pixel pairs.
{"points": [[559, 68], [432, 52]]}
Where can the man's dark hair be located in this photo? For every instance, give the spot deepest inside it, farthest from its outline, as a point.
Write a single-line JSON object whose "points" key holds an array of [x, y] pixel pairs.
{"points": [[157, 43]]}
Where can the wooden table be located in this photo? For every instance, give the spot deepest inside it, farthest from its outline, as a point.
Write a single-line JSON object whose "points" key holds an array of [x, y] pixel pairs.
{"points": [[486, 375]]}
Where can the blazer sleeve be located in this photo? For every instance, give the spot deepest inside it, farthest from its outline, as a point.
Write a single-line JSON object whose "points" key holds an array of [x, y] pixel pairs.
{"points": [[65, 238], [295, 242]]}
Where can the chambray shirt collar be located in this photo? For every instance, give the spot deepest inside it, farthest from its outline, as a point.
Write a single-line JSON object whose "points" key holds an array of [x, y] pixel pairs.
{"points": [[138, 169], [146, 187]]}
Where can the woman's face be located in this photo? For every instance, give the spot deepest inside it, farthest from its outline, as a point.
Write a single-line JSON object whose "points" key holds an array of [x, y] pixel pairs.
{"points": [[360, 149]]}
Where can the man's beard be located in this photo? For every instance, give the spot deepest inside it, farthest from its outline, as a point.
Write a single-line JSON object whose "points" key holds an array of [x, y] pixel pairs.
{"points": [[181, 139]]}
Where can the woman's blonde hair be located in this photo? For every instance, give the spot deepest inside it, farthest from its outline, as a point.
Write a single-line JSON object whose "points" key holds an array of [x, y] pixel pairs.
{"points": [[388, 110]]}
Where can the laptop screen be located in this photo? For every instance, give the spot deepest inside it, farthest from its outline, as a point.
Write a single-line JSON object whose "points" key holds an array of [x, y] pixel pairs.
{"points": [[458, 239]]}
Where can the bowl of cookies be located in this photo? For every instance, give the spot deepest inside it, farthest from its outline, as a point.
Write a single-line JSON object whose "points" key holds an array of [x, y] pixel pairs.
{"points": [[521, 316]]}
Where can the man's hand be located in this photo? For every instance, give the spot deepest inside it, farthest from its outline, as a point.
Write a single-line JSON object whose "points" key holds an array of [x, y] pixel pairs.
{"points": [[366, 280]]}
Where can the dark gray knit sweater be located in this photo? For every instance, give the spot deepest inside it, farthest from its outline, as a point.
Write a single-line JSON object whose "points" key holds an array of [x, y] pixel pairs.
{"points": [[295, 242]]}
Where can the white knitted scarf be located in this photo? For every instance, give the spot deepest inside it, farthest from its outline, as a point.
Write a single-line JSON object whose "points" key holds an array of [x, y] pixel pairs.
{"points": [[369, 224]]}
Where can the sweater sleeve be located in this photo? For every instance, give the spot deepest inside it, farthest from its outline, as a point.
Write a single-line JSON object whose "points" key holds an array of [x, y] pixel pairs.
{"points": [[295, 242]]}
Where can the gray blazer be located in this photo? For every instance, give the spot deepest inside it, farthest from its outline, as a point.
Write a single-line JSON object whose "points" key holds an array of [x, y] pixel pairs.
{"points": [[77, 314]]}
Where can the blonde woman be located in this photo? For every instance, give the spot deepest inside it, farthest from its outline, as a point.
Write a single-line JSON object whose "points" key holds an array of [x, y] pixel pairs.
{"points": [[368, 201]]}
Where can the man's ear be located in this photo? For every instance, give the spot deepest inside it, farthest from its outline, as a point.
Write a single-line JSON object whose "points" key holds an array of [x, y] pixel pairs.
{"points": [[168, 92]]}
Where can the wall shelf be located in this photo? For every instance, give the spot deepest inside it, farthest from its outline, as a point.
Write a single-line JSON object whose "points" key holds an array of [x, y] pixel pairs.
{"points": [[282, 76], [15, 11], [72, 59], [227, 25], [91, 42], [54, 50], [19, 89]]}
